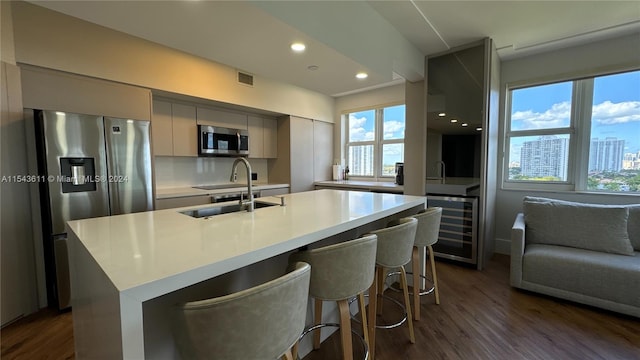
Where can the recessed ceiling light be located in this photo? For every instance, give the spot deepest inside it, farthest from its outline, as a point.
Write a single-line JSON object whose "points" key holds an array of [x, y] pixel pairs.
{"points": [[442, 114], [464, 124], [479, 128], [454, 120], [298, 47], [362, 75]]}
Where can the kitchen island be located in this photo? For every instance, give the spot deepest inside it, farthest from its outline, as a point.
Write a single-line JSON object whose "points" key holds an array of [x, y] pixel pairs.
{"points": [[128, 270]]}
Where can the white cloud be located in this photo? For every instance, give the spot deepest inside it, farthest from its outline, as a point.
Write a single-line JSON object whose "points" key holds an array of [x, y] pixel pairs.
{"points": [[558, 116], [393, 129], [608, 113], [357, 132], [605, 113], [393, 149]]}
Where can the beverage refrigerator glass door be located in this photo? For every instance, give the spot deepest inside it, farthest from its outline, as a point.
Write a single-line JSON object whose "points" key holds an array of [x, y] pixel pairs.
{"points": [[219, 141]]}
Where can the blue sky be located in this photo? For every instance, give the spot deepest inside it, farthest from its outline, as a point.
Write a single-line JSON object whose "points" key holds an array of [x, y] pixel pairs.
{"points": [[362, 124], [615, 113]]}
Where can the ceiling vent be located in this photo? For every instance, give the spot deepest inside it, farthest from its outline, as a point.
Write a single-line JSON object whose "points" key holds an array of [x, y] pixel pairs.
{"points": [[244, 78]]}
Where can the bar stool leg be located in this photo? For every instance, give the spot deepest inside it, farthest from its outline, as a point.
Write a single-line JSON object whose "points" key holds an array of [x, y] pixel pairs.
{"points": [[415, 268], [435, 276], [407, 303], [381, 278], [317, 320], [373, 297], [345, 330], [363, 315], [287, 355]]}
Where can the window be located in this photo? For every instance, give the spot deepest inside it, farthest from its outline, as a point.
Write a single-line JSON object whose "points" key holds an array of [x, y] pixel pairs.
{"points": [[575, 135], [375, 141]]}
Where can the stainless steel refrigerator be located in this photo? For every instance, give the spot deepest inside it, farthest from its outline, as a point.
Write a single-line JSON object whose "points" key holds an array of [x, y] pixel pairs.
{"points": [[88, 166]]}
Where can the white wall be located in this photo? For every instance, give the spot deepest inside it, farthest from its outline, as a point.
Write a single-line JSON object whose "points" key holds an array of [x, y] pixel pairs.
{"points": [[415, 139], [18, 295], [589, 59], [389, 95], [65, 43]]}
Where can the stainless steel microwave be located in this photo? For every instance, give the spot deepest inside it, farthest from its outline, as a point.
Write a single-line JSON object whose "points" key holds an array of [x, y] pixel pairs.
{"points": [[219, 141]]}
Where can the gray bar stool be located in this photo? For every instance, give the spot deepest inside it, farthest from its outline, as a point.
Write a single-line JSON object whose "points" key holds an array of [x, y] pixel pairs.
{"points": [[340, 272], [395, 244], [263, 322], [426, 236]]}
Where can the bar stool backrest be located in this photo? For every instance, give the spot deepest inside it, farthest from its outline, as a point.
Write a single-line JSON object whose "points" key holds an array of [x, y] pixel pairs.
{"points": [[428, 226], [395, 243], [262, 322], [340, 271]]}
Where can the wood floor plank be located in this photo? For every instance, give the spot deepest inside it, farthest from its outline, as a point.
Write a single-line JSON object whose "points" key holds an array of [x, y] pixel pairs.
{"points": [[479, 317]]}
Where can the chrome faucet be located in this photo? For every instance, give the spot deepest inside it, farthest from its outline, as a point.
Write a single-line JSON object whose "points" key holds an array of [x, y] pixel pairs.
{"points": [[442, 167], [248, 203]]}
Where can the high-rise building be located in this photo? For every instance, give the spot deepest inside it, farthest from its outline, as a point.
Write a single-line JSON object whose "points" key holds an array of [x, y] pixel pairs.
{"points": [[606, 155], [361, 160], [545, 157], [631, 161]]}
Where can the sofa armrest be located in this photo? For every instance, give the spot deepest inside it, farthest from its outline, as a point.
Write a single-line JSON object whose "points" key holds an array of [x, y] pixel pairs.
{"points": [[517, 250]]}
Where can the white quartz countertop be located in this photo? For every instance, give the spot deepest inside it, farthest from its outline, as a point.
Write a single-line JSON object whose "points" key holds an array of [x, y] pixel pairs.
{"points": [[185, 191], [450, 186], [387, 186], [149, 254]]}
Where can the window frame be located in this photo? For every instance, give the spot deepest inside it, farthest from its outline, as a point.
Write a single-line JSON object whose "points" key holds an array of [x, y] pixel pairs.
{"points": [[579, 132], [378, 141]]}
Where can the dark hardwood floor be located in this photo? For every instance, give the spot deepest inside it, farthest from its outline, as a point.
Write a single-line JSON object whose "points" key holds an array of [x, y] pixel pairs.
{"points": [[480, 317]]}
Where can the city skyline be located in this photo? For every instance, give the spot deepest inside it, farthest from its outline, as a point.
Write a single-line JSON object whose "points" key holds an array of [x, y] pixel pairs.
{"points": [[615, 110]]}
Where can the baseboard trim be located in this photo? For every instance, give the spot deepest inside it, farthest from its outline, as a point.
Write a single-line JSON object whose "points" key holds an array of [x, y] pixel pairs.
{"points": [[502, 246]]}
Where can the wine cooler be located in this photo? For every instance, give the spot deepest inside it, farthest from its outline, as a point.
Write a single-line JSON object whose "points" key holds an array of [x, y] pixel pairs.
{"points": [[458, 237]]}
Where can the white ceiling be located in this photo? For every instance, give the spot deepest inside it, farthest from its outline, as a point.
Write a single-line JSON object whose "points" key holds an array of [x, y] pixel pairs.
{"points": [[388, 39]]}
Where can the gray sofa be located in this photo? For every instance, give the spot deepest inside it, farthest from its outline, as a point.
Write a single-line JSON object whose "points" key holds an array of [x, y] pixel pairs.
{"points": [[585, 253]]}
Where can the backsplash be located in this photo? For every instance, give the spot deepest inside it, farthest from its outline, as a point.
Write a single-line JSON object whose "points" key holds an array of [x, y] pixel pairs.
{"points": [[176, 171]]}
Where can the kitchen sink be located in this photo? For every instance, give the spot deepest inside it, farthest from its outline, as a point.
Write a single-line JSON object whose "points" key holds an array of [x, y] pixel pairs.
{"points": [[224, 209], [217, 186]]}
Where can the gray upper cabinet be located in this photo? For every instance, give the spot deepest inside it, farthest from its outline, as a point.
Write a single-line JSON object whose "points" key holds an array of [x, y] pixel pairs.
{"points": [[216, 117], [322, 150], [173, 129], [270, 138], [305, 152], [185, 130], [302, 161], [162, 129], [263, 137]]}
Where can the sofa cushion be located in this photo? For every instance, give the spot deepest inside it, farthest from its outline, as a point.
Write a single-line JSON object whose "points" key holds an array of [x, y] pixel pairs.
{"points": [[596, 274], [585, 226], [633, 221], [633, 226]]}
